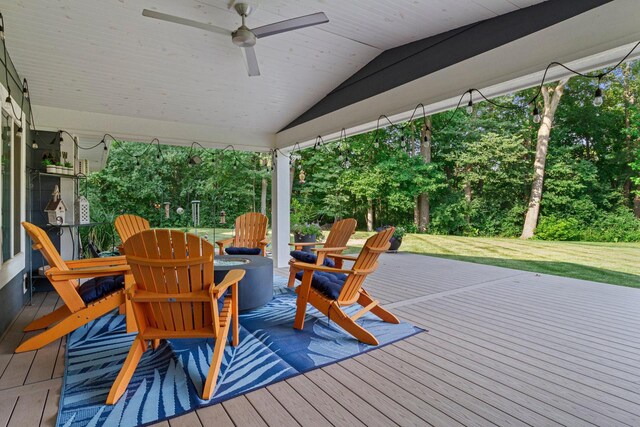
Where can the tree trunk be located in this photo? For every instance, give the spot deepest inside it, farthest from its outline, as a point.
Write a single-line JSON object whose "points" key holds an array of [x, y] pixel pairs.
{"points": [[369, 215], [636, 204], [263, 197], [423, 199], [551, 98]]}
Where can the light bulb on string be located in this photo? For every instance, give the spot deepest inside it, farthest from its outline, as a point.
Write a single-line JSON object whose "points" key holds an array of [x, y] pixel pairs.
{"points": [[403, 142], [376, 144], [598, 98], [34, 144], [537, 118], [470, 107], [19, 132]]}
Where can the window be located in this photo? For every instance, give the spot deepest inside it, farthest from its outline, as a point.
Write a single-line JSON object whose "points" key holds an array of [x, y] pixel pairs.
{"points": [[6, 182]]}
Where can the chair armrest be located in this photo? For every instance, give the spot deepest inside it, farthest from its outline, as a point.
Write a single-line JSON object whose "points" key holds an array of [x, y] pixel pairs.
{"points": [[84, 273], [340, 256], [306, 244], [315, 267], [330, 249], [224, 241], [232, 277], [97, 262]]}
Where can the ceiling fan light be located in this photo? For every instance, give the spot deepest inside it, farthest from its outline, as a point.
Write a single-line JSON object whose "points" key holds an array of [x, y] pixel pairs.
{"points": [[243, 37]]}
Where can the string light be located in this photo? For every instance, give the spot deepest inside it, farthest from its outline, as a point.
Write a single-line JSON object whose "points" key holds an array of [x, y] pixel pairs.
{"points": [[597, 96], [470, 104], [537, 118]]}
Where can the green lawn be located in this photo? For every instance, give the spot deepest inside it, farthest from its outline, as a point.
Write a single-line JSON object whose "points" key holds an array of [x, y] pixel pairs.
{"points": [[615, 263]]}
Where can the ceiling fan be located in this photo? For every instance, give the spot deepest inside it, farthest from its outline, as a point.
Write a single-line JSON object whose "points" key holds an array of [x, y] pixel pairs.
{"points": [[245, 37]]}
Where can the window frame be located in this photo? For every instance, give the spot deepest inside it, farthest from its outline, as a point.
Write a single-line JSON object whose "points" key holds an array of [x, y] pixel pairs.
{"points": [[15, 265]]}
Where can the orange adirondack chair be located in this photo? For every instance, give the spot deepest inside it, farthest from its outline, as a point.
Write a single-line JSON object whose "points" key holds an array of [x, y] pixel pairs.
{"points": [[173, 296], [83, 303], [127, 225], [336, 242], [250, 232], [329, 293]]}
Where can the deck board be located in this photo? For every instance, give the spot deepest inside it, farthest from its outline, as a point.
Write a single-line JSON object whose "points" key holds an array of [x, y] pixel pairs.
{"points": [[502, 347]]}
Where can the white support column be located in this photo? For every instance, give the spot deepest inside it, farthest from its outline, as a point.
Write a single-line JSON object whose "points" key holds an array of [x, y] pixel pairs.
{"points": [[280, 207]]}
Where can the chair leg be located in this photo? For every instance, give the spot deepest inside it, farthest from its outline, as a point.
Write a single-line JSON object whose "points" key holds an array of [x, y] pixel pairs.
{"points": [[303, 296], [360, 333], [155, 344], [292, 276], [122, 309], [216, 362], [71, 323], [49, 319], [365, 299], [126, 372]]}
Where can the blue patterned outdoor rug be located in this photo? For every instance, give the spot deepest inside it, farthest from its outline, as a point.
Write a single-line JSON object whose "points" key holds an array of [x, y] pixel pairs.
{"points": [[168, 381]]}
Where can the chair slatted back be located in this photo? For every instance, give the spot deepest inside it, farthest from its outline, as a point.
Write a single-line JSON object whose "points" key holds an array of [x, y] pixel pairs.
{"points": [[340, 233], [127, 225], [366, 263], [41, 242], [170, 261], [251, 228]]}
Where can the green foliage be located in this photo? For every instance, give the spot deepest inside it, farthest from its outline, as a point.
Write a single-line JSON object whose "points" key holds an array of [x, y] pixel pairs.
{"points": [[554, 228], [306, 229], [229, 181], [399, 233]]}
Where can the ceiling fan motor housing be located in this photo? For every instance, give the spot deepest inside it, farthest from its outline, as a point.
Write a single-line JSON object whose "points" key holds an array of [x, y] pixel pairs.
{"points": [[243, 37]]}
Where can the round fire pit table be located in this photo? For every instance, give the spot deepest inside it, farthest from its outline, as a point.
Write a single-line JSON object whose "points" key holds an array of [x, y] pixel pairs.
{"points": [[256, 287]]}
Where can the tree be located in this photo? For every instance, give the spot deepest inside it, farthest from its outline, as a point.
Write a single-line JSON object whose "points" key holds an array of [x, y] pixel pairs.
{"points": [[423, 198], [551, 98]]}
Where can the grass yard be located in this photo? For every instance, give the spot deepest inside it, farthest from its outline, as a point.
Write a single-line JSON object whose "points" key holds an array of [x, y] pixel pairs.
{"points": [[615, 263]]}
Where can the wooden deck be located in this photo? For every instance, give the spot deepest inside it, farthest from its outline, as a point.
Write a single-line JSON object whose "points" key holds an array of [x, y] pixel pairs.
{"points": [[503, 347]]}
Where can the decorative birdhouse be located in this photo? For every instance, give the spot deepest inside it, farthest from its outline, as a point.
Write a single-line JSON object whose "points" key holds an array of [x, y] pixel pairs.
{"points": [[56, 209], [82, 211]]}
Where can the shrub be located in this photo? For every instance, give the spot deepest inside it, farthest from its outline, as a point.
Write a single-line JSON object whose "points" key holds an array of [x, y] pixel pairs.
{"points": [[618, 226], [554, 228]]}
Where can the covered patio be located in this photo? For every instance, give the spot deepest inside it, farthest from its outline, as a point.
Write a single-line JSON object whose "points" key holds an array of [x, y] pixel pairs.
{"points": [[502, 347], [499, 347]]}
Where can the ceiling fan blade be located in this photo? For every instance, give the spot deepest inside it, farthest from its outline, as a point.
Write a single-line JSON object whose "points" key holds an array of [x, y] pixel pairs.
{"points": [[183, 21], [290, 24], [251, 61]]}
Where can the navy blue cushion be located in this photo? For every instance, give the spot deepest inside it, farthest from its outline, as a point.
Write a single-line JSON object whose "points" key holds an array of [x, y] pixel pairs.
{"points": [[243, 251], [311, 258], [94, 289], [328, 284]]}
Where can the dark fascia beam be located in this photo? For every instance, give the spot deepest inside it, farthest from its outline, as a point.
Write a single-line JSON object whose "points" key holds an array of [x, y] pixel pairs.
{"points": [[403, 64]]}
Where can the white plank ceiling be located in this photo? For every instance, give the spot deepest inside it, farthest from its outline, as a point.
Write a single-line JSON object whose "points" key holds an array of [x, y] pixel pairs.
{"points": [[105, 61]]}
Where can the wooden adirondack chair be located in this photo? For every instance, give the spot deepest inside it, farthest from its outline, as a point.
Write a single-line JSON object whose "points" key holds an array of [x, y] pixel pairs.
{"points": [[82, 304], [336, 242], [326, 290], [173, 296], [127, 225], [250, 232]]}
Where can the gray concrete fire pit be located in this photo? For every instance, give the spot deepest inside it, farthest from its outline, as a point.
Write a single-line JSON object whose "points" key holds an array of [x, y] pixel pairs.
{"points": [[256, 288]]}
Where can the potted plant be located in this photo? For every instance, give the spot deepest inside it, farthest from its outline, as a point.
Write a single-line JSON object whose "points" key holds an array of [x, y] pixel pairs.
{"points": [[396, 239], [68, 168], [49, 166], [59, 168], [306, 233]]}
